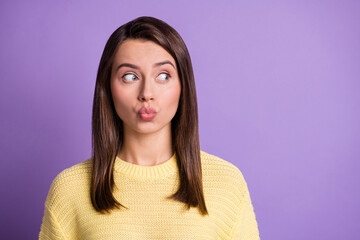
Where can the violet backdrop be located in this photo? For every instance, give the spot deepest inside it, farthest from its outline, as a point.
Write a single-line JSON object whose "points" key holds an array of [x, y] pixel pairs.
{"points": [[278, 85]]}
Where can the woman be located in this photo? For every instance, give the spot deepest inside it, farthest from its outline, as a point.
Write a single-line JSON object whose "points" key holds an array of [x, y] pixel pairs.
{"points": [[147, 178]]}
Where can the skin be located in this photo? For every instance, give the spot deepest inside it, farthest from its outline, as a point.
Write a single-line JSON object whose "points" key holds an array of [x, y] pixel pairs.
{"points": [[145, 75]]}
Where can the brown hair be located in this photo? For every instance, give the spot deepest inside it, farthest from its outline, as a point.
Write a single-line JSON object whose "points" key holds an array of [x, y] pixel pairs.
{"points": [[107, 131]]}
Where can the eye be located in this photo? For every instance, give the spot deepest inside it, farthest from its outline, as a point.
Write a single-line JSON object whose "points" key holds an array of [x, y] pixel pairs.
{"points": [[164, 76], [129, 77]]}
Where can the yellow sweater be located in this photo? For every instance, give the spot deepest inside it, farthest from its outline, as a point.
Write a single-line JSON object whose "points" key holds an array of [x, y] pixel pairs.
{"points": [[143, 189]]}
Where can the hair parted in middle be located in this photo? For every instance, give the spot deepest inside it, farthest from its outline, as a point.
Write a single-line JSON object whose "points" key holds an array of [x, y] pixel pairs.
{"points": [[107, 127]]}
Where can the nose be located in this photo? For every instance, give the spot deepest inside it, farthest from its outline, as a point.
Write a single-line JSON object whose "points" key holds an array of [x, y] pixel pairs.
{"points": [[146, 92]]}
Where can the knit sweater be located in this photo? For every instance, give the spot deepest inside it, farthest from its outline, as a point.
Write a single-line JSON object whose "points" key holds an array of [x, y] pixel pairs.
{"points": [[69, 213]]}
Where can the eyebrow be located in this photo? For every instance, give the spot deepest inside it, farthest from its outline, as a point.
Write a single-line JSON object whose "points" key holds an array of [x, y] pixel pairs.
{"points": [[137, 67]]}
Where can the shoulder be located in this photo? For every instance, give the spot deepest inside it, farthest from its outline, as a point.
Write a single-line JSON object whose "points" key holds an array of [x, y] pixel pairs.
{"points": [[224, 186], [212, 163], [222, 174], [73, 174], [69, 182]]}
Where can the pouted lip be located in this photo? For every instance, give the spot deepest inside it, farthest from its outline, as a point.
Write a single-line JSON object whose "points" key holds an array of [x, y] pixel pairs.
{"points": [[147, 110], [147, 114]]}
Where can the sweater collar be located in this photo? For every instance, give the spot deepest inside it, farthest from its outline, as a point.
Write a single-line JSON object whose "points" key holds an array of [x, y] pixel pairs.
{"points": [[146, 172]]}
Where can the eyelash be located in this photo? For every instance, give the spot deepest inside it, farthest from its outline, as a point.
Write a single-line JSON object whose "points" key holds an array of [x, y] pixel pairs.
{"points": [[123, 76], [136, 77], [167, 74]]}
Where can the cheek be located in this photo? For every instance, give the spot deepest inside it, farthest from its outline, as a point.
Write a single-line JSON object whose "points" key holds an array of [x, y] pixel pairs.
{"points": [[173, 96], [121, 100]]}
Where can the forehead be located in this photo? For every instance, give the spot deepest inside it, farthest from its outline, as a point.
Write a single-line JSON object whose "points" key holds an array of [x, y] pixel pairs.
{"points": [[141, 52]]}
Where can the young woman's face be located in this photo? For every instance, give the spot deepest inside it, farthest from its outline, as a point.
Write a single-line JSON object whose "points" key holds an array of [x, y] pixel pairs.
{"points": [[145, 86]]}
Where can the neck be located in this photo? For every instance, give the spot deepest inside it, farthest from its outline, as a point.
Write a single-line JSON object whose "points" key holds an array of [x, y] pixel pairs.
{"points": [[147, 149]]}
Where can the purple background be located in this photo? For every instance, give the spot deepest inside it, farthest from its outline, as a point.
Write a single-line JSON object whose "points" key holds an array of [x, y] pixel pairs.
{"points": [[278, 91]]}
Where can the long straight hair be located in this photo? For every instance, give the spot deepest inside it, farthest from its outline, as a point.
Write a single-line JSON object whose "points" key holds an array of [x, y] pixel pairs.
{"points": [[107, 127]]}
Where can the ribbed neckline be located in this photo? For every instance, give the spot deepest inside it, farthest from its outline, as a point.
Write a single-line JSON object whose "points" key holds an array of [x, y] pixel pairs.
{"points": [[146, 172]]}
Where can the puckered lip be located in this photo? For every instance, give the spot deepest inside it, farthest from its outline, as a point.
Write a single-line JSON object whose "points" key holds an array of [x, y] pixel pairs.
{"points": [[147, 110]]}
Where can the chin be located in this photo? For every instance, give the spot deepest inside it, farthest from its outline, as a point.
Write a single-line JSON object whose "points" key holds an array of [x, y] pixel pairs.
{"points": [[146, 129], [150, 129]]}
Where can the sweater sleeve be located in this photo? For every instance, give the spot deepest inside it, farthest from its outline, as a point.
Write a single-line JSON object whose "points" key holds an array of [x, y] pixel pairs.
{"points": [[50, 227], [246, 227]]}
